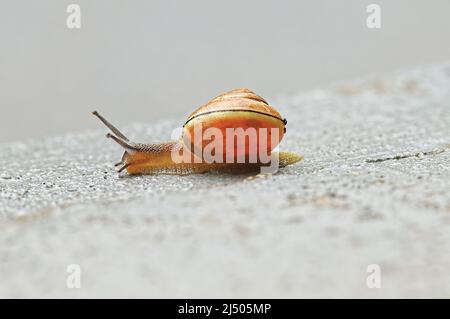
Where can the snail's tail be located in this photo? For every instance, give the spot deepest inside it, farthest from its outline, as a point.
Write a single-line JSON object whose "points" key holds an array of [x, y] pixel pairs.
{"points": [[289, 158]]}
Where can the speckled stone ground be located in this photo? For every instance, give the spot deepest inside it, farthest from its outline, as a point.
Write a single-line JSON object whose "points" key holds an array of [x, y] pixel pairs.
{"points": [[374, 188]]}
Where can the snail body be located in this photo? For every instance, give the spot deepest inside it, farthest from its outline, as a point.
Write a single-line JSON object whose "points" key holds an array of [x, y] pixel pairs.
{"points": [[245, 129]]}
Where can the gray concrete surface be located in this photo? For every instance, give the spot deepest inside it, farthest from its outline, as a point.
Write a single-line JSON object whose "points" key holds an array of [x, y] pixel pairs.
{"points": [[373, 189]]}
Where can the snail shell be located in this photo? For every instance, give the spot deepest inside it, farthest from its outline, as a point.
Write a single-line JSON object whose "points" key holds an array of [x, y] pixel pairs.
{"points": [[240, 108]]}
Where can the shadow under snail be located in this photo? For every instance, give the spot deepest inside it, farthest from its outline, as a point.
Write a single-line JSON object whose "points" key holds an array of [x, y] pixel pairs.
{"points": [[240, 110]]}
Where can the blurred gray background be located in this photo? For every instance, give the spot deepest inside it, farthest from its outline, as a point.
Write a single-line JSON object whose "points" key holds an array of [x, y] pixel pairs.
{"points": [[144, 60]]}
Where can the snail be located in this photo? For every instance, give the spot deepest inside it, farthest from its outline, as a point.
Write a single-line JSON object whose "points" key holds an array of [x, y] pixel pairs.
{"points": [[246, 130]]}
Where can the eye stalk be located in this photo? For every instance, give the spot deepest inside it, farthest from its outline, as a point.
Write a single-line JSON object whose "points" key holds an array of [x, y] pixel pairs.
{"points": [[110, 126]]}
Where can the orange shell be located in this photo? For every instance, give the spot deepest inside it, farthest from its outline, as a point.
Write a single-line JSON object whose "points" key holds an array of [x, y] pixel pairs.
{"points": [[240, 108]]}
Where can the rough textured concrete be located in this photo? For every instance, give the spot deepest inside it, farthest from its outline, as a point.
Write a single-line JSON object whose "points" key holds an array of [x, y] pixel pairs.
{"points": [[373, 189]]}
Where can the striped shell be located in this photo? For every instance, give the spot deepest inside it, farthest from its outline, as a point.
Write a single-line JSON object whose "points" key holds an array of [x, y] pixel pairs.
{"points": [[240, 108]]}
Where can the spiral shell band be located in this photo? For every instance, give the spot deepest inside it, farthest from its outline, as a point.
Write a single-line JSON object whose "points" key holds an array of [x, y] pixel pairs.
{"points": [[235, 110]]}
